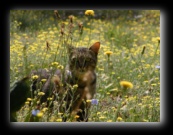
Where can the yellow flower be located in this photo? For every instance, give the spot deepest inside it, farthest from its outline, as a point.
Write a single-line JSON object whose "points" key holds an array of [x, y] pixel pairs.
{"points": [[146, 81], [26, 103], [60, 67], [59, 114], [109, 120], [43, 80], [144, 120], [49, 98], [38, 102], [29, 99], [41, 93], [98, 113], [76, 116], [54, 63], [119, 119], [108, 93], [153, 84], [75, 86], [158, 39], [89, 12], [108, 53], [59, 120], [126, 84], [40, 114], [88, 101], [113, 108], [44, 109], [102, 117], [35, 77], [31, 66], [154, 39]]}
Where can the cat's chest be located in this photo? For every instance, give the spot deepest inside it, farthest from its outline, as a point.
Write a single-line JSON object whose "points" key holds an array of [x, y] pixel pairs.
{"points": [[85, 79]]}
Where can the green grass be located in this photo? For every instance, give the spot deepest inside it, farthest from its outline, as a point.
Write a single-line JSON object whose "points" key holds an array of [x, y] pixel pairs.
{"points": [[126, 39]]}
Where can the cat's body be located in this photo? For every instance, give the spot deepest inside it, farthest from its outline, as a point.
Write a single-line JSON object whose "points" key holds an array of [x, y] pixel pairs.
{"points": [[52, 84], [79, 72]]}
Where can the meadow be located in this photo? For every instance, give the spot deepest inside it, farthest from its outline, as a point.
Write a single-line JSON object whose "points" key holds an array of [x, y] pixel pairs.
{"points": [[128, 69]]}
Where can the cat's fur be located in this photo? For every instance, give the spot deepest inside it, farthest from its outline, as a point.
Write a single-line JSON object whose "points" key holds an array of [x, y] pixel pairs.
{"points": [[79, 71]]}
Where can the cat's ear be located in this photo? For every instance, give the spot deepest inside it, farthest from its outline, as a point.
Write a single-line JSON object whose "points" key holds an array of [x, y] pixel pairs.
{"points": [[95, 47]]}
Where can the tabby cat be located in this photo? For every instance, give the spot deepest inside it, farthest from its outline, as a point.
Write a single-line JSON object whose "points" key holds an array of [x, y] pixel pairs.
{"points": [[79, 72]]}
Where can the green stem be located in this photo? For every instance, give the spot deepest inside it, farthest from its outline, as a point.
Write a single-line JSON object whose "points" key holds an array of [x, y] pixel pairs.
{"points": [[155, 52], [118, 109], [25, 59], [89, 31]]}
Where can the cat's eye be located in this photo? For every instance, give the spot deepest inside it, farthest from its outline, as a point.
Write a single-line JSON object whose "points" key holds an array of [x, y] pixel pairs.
{"points": [[81, 62], [74, 60]]}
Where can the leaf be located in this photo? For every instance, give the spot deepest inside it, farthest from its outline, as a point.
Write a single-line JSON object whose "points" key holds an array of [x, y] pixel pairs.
{"points": [[109, 85]]}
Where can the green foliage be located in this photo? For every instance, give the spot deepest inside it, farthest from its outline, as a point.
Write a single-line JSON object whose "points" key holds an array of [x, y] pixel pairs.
{"points": [[30, 20], [122, 33]]}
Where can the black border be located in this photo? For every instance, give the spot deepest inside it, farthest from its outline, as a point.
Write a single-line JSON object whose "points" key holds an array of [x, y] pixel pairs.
{"points": [[163, 125]]}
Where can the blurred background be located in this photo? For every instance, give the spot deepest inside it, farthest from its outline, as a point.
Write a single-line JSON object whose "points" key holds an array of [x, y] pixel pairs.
{"points": [[30, 18]]}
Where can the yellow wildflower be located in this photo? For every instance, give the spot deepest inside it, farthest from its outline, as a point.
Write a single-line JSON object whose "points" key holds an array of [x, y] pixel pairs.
{"points": [[41, 93], [31, 66], [29, 99], [119, 119], [40, 114], [113, 108], [26, 103], [158, 39], [59, 120], [126, 84], [89, 12], [88, 101], [44, 109], [146, 81], [75, 86], [49, 98], [76, 116], [109, 121], [35, 77], [59, 114], [43, 80], [26, 109], [108, 53], [98, 113], [54, 63], [153, 84], [144, 120], [60, 67], [101, 117], [38, 102], [108, 93]]}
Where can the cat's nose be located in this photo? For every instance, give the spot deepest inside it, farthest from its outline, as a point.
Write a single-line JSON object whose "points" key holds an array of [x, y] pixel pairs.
{"points": [[81, 63]]}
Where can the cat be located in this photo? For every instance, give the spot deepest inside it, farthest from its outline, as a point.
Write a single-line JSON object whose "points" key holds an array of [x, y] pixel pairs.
{"points": [[79, 72]]}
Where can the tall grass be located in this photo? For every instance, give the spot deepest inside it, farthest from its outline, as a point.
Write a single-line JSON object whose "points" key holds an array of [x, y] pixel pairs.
{"points": [[130, 52]]}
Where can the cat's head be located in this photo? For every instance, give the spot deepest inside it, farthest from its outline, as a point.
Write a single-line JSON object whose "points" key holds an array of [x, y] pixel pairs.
{"points": [[83, 59]]}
